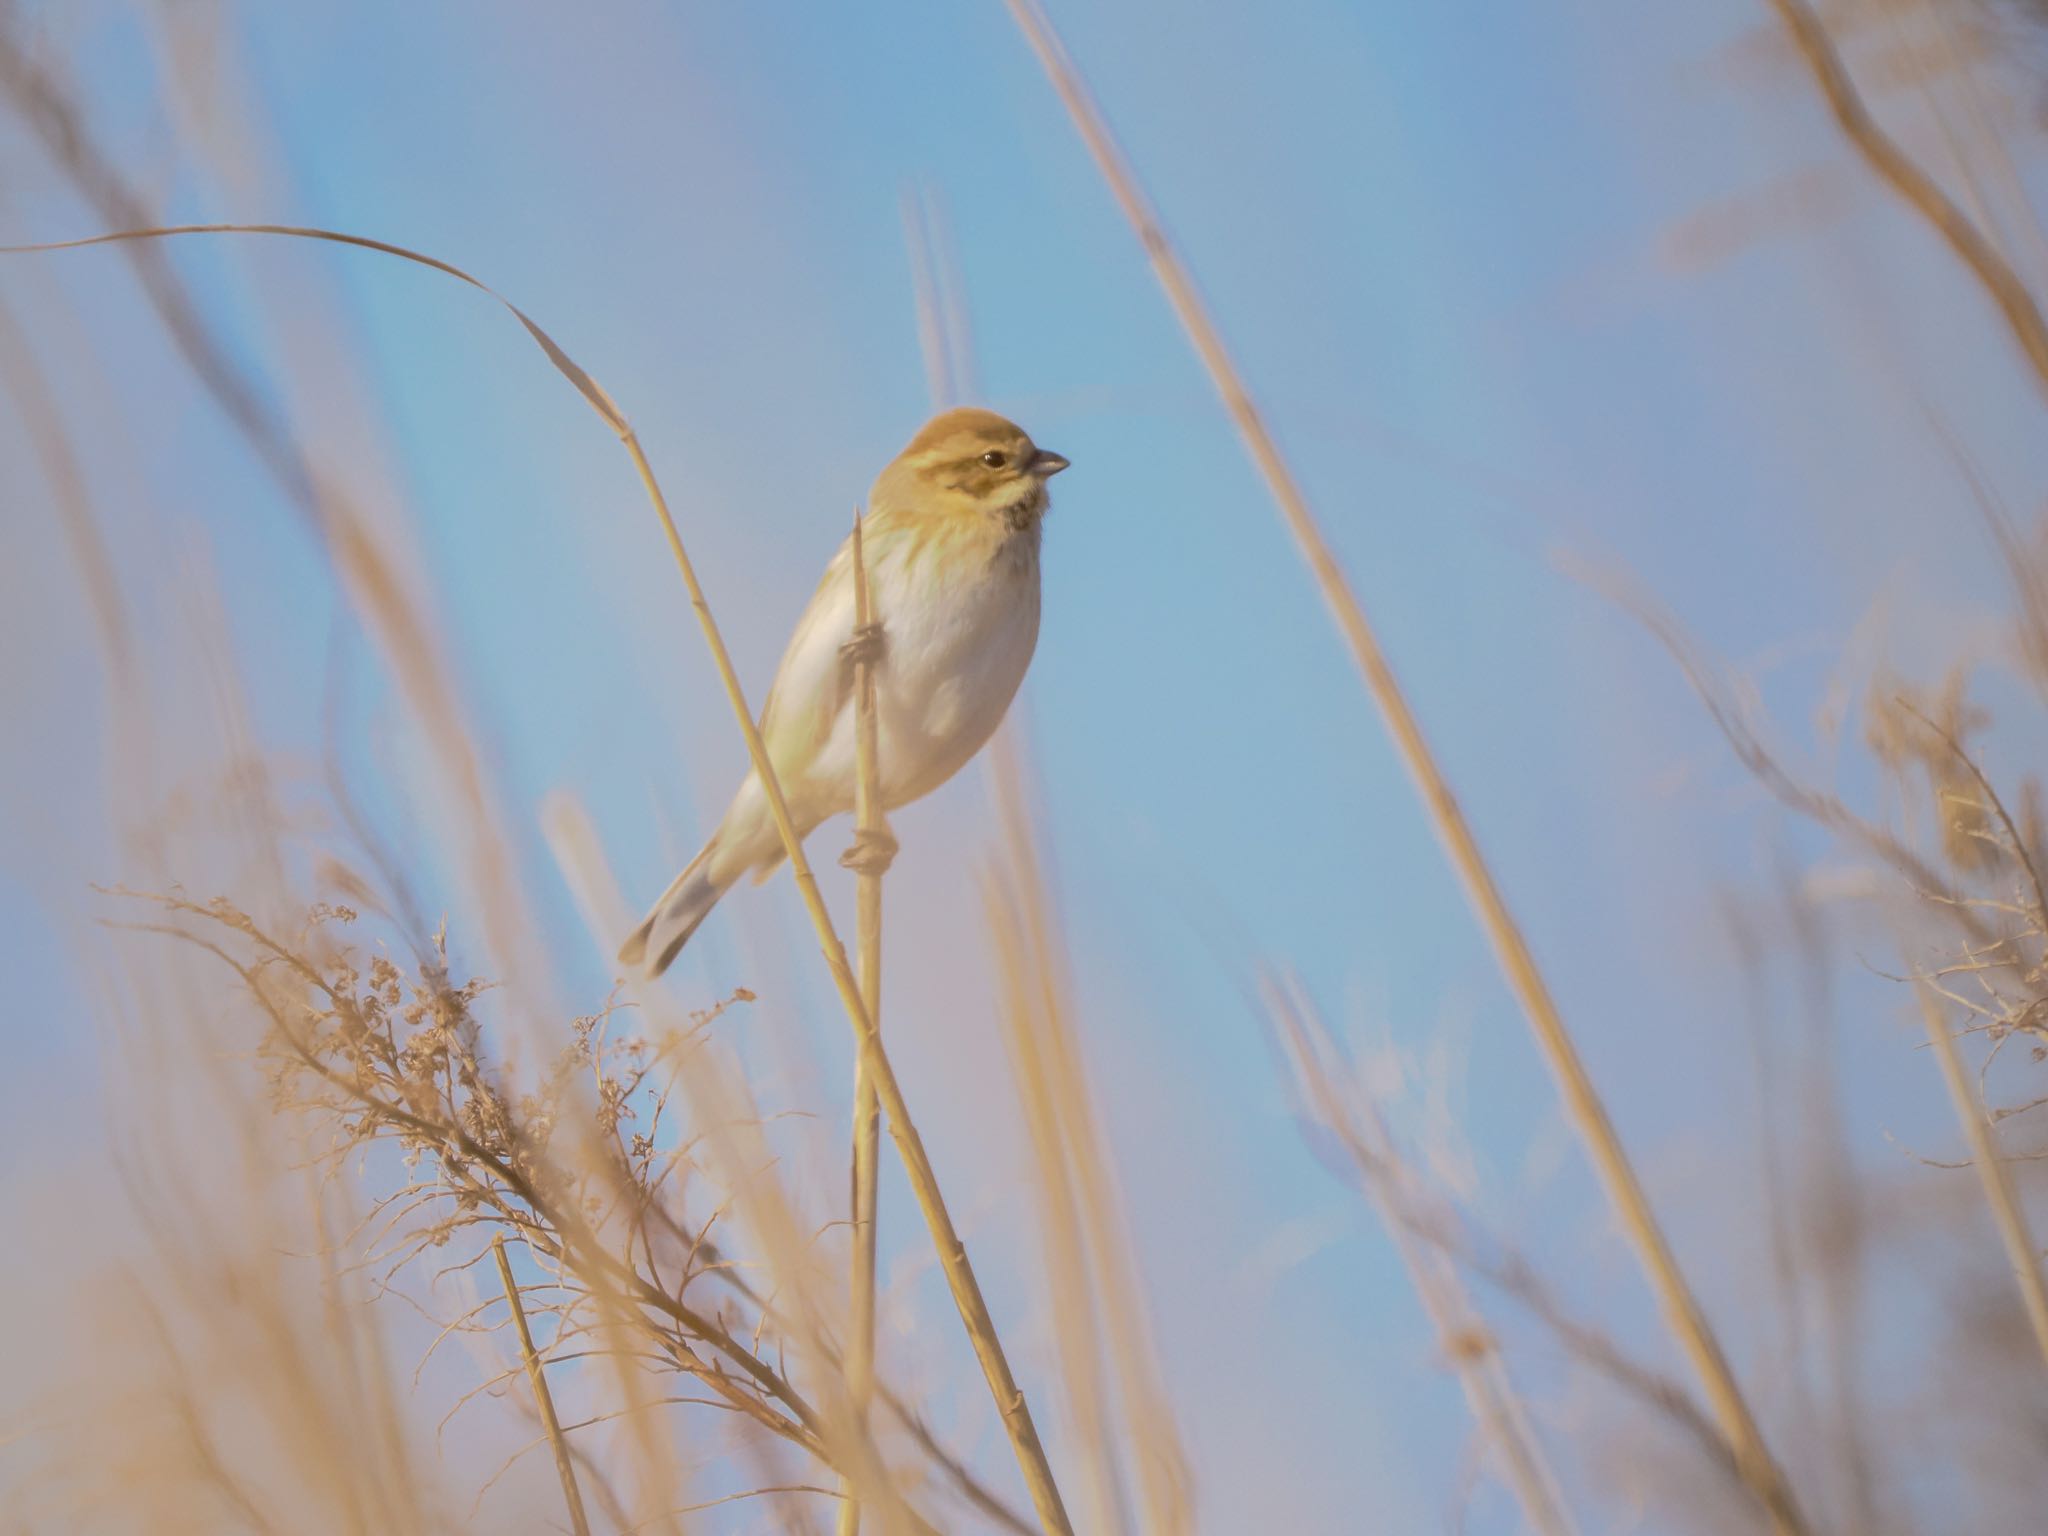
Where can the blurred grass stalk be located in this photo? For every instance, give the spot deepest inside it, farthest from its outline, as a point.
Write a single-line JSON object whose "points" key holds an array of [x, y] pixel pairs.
{"points": [[1975, 248], [1992, 1173], [543, 1399], [1970, 807], [1469, 1346], [1090, 1272], [945, 337], [1682, 1312]]}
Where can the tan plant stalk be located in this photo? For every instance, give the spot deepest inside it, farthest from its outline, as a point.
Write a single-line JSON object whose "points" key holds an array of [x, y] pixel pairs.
{"points": [[542, 1397], [924, 1183], [870, 860], [1992, 1172], [1963, 68], [1899, 16], [1076, 1327], [934, 343], [1682, 1312], [1070, 1146], [1919, 191], [1468, 1346], [22, 381]]}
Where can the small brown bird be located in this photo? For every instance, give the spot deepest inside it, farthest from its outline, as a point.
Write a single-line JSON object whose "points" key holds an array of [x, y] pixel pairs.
{"points": [[950, 542]]}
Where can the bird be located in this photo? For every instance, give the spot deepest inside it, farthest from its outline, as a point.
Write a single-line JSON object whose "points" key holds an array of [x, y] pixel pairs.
{"points": [[950, 543]]}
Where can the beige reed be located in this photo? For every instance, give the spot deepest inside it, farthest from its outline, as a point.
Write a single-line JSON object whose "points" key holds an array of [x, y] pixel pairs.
{"points": [[869, 859], [543, 1399], [1989, 1163], [1919, 191], [1682, 1312]]}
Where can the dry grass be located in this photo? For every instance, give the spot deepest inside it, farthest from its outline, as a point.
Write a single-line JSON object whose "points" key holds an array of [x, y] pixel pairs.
{"points": [[1974, 248], [386, 1231]]}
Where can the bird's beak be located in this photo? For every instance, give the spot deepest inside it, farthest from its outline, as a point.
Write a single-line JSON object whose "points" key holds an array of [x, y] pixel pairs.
{"points": [[1045, 465]]}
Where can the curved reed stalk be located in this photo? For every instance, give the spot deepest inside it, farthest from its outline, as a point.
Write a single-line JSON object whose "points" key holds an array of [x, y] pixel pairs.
{"points": [[1919, 191], [1682, 1312], [1090, 1270], [924, 1183]]}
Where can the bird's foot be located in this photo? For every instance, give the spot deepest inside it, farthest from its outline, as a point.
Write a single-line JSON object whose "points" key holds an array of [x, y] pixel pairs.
{"points": [[866, 647], [872, 852]]}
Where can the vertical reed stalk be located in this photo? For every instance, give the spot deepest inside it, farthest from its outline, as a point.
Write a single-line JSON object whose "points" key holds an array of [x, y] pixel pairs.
{"points": [[1076, 1328], [1682, 1311], [869, 859], [1991, 1170], [544, 1399], [1914, 187], [1071, 1149]]}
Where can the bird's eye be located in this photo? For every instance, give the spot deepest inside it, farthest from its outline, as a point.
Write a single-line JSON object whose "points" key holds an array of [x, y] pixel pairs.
{"points": [[995, 458]]}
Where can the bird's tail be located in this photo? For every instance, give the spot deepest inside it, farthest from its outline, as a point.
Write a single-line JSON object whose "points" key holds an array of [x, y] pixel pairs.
{"points": [[654, 945]]}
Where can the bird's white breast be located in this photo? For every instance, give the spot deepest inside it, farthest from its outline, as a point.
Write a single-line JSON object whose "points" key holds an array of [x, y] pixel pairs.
{"points": [[958, 642]]}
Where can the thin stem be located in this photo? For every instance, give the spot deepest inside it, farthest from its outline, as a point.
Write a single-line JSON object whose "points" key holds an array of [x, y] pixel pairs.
{"points": [[1990, 1165], [1682, 1311], [1077, 1328], [1076, 1167], [575, 848], [1918, 190], [544, 1399], [867, 1111]]}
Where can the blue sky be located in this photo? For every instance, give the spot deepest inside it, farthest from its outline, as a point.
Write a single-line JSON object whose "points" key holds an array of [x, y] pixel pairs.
{"points": [[1440, 239]]}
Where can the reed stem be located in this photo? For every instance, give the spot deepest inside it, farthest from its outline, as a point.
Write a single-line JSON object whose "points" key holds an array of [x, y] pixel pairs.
{"points": [[1083, 1212], [870, 862], [1914, 187], [544, 1399], [1992, 1172], [1682, 1311]]}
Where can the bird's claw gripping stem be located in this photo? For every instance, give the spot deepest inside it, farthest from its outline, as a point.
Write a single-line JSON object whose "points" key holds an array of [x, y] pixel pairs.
{"points": [[871, 854], [866, 647]]}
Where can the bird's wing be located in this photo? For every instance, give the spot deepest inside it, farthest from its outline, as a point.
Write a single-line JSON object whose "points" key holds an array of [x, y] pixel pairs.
{"points": [[813, 682]]}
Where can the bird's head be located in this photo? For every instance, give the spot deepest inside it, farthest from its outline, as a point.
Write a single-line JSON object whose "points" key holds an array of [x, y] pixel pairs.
{"points": [[972, 460]]}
